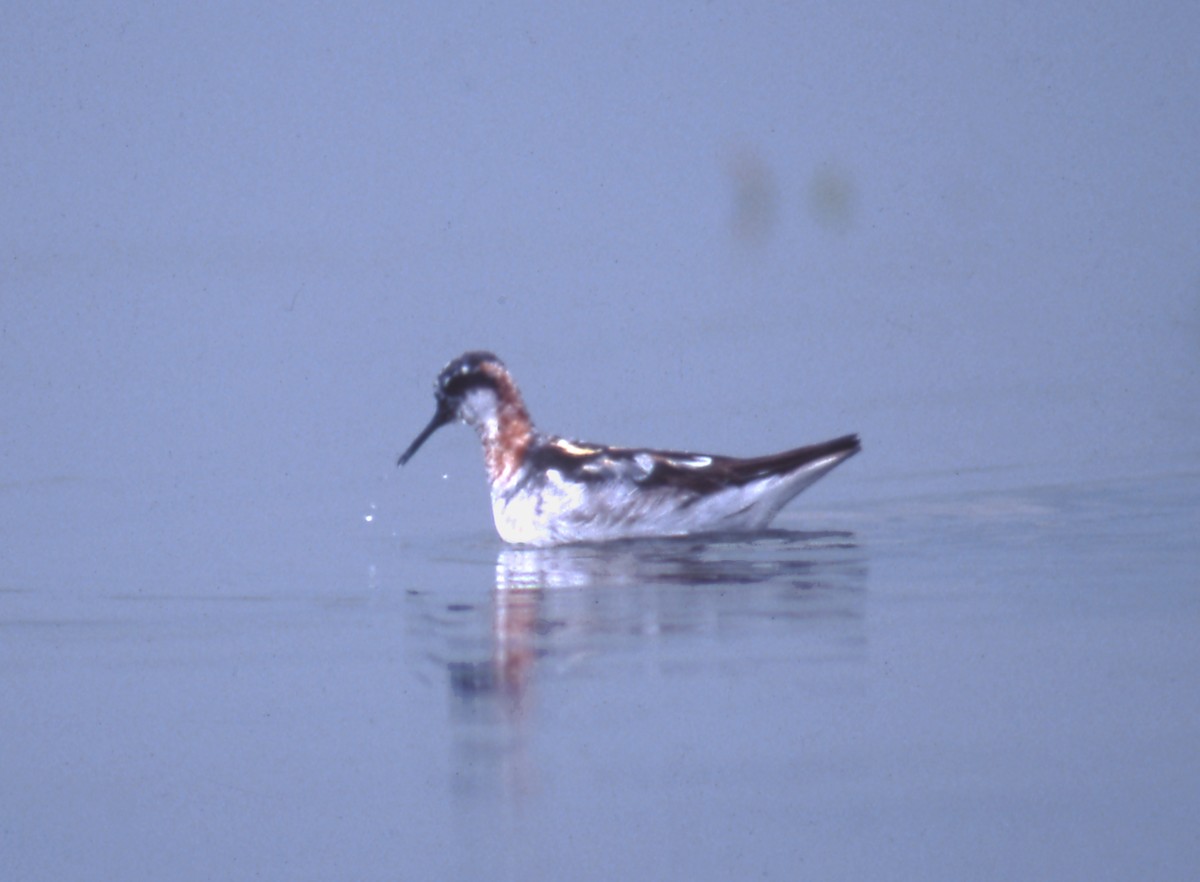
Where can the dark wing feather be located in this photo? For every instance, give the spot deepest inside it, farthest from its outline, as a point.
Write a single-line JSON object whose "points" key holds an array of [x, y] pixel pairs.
{"points": [[726, 471], [700, 474], [743, 471]]}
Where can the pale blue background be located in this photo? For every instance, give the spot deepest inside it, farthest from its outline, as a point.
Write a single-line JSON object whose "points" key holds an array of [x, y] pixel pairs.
{"points": [[242, 242], [238, 242]]}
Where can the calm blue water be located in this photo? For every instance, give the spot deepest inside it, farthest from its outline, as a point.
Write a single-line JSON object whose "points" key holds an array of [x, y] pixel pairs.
{"points": [[992, 685]]}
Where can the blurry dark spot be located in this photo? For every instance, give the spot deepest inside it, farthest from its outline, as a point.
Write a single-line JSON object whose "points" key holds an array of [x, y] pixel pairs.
{"points": [[832, 199], [472, 678], [755, 197]]}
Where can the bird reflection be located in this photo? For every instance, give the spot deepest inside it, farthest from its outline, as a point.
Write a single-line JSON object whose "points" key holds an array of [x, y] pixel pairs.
{"points": [[553, 611], [784, 556]]}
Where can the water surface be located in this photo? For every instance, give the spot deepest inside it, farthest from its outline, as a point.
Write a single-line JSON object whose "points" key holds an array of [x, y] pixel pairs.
{"points": [[991, 686]]}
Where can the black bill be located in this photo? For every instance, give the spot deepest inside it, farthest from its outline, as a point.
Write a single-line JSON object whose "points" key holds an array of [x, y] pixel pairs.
{"points": [[440, 419]]}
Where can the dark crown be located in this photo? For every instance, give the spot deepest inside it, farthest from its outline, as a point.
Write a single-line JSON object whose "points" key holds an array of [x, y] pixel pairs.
{"points": [[466, 372]]}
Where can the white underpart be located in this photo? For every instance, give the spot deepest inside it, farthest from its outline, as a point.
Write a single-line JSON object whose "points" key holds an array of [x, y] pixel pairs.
{"points": [[531, 518], [561, 511]]}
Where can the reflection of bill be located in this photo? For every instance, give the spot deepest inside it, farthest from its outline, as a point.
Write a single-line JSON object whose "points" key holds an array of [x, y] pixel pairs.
{"points": [[506, 673]]}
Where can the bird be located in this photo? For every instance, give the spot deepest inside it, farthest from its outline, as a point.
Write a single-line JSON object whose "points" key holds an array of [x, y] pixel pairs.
{"points": [[547, 490]]}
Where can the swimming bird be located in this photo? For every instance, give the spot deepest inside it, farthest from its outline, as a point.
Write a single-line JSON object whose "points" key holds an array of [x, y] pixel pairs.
{"points": [[547, 490]]}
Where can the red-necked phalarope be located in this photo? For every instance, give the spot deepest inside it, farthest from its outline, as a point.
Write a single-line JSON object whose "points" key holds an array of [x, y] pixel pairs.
{"points": [[547, 490]]}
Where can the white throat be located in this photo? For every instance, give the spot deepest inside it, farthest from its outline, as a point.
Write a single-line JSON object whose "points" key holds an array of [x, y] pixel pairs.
{"points": [[480, 409]]}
